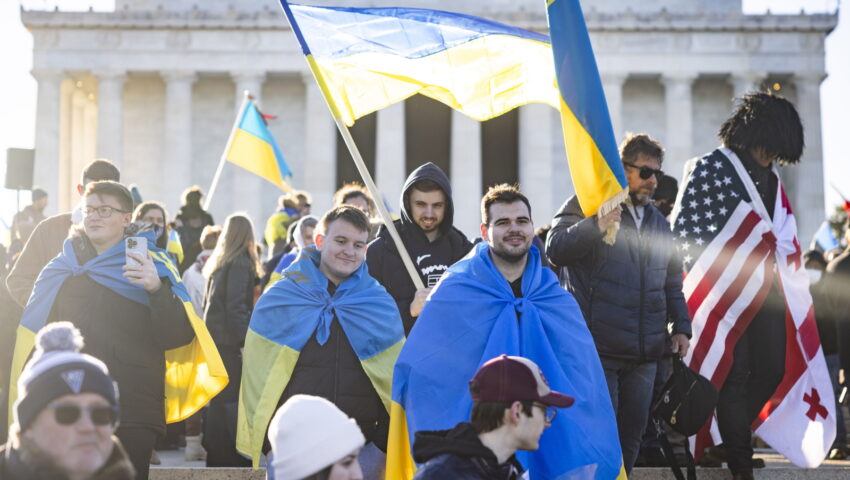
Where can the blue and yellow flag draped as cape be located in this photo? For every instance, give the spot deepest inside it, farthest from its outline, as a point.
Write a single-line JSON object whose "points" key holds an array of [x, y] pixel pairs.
{"points": [[194, 372], [366, 59], [288, 315], [253, 148], [595, 166], [472, 316]]}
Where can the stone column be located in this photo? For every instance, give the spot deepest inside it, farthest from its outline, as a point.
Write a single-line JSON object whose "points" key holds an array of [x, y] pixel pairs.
{"points": [[320, 148], [248, 187], [177, 145], [679, 109], [47, 134], [743, 82], [808, 199], [613, 83], [110, 110], [465, 175], [535, 160], [390, 154]]}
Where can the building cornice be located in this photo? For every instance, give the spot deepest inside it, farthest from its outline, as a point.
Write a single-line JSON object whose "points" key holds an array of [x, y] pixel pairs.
{"points": [[270, 19]]}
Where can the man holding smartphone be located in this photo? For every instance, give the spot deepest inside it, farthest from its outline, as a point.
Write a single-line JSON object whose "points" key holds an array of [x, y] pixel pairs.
{"points": [[92, 285]]}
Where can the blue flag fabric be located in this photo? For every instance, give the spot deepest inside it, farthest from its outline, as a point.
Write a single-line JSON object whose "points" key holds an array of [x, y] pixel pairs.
{"points": [[472, 316], [365, 311]]}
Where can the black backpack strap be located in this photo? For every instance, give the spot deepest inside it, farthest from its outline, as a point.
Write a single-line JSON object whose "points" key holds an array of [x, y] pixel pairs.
{"points": [[671, 459]]}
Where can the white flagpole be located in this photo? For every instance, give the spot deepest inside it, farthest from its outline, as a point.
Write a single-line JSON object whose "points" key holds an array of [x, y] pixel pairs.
{"points": [[246, 98]]}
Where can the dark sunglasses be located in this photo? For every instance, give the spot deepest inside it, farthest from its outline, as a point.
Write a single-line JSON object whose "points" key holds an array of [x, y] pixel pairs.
{"points": [[646, 172], [100, 415]]}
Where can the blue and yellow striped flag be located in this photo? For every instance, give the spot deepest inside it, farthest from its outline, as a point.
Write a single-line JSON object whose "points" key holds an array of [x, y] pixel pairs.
{"points": [[595, 165], [253, 148], [365, 59]]}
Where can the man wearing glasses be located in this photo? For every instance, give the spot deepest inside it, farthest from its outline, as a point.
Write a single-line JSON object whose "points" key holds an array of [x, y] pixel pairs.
{"points": [[128, 314], [65, 415], [627, 291], [512, 405]]}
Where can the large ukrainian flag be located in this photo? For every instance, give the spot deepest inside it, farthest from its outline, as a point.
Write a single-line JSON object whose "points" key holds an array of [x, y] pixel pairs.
{"points": [[253, 148], [595, 165], [368, 58]]}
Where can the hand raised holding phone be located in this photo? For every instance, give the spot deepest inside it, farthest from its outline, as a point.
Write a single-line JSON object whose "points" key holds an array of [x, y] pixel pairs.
{"points": [[139, 268]]}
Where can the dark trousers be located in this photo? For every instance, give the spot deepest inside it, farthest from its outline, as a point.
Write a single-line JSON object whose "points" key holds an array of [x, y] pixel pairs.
{"points": [[138, 442], [630, 385], [757, 369], [220, 417]]}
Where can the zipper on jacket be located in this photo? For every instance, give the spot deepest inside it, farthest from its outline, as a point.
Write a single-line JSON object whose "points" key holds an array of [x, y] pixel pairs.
{"points": [[640, 309]]}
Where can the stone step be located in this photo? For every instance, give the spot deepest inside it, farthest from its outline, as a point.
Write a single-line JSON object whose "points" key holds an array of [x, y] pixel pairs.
{"points": [[778, 473]]}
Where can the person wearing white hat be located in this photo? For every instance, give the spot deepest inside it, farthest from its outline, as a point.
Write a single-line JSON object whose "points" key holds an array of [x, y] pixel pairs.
{"points": [[312, 439]]}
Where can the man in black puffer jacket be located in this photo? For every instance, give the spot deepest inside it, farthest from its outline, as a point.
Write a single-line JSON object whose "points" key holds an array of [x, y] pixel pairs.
{"points": [[425, 227], [627, 291]]}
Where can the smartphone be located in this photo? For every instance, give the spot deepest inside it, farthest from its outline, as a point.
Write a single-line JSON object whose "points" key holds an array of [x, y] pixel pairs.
{"points": [[137, 246]]}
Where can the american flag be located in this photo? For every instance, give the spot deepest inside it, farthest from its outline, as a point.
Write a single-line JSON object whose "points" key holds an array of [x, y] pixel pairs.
{"points": [[732, 252]]}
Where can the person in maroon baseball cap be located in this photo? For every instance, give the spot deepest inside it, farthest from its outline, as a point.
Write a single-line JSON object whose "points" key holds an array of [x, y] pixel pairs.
{"points": [[512, 405]]}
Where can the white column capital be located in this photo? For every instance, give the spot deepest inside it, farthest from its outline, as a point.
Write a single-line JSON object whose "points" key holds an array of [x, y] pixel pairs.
{"points": [[808, 79], [48, 75], [671, 79], [110, 75], [248, 76], [615, 78], [179, 76], [743, 82]]}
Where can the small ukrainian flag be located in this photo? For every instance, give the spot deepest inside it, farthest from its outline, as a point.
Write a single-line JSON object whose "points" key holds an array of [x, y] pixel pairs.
{"points": [[253, 148]]}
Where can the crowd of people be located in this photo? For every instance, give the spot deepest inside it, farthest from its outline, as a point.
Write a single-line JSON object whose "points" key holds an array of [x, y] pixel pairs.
{"points": [[317, 322]]}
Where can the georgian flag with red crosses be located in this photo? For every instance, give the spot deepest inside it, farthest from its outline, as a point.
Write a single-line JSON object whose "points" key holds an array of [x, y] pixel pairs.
{"points": [[732, 252]]}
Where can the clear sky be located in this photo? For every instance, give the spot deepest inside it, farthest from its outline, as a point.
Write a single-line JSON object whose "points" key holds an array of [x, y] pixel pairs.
{"points": [[18, 88]]}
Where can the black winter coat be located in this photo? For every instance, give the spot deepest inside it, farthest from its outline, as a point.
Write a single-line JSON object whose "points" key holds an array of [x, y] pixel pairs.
{"points": [[130, 338], [627, 292], [431, 259], [459, 454], [334, 372], [229, 301]]}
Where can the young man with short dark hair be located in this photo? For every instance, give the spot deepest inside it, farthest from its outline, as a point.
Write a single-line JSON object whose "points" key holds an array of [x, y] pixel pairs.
{"points": [[512, 405], [49, 235], [498, 300], [326, 328], [427, 232]]}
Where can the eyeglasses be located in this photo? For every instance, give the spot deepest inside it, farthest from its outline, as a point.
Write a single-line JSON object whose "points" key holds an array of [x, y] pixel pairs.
{"points": [[103, 211], [100, 415], [548, 410], [646, 172]]}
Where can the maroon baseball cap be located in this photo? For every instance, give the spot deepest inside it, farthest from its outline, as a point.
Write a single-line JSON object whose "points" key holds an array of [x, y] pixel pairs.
{"points": [[510, 379]]}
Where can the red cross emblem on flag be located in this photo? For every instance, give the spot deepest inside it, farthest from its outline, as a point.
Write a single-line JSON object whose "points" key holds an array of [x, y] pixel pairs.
{"points": [[815, 407]]}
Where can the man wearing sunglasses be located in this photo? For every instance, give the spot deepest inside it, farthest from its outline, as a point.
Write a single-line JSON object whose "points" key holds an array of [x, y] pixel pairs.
{"points": [[512, 406], [65, 416], [627, 291]]}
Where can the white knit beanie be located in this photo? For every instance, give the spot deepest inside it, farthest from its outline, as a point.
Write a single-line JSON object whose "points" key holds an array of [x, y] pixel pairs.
{"points": [[308, 434]]}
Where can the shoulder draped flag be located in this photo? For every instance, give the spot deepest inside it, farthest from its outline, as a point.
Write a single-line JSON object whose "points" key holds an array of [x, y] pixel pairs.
{"points": [[194, 373], [286, 317], [472, 316], [366, 59], [734, 253], [253, 148], [594, 160]]}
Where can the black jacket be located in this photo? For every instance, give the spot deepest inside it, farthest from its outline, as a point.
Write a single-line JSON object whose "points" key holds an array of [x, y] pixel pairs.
{"points": [[229, 301], [837, 278], [627, 292], [190, 237], [334, 372], [130, 338], [26, 464], [432, 259], [459, 454]]}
